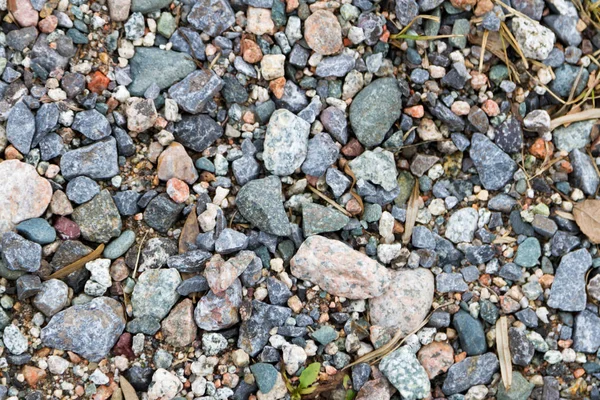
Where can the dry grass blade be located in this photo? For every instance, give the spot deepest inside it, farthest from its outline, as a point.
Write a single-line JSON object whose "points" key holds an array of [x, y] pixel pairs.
{"points": [[128, 390], [504, 240], [137, 258], [66, 271], [592, 113], [506, 33], [495, 45], [327, 199], [411, 214], [483, 46], [513, 11], [415, 19], [504, 352], [565, 215]]}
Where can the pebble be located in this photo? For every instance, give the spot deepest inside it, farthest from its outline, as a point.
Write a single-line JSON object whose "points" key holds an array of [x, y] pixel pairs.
{"points": [[261, 202], [96, 161], [215, 312], [335, 267], [98, 219], [471, 333], [495, 167], [377, 167], [151, 65], [462, 225], [14, 340], [568, 289], [37, 230], [155, 293], [323, 32], [535, 40], [179, 328], [94, 339], [119, 246], [470, 372], [436, 358], [404, 371], [286, 142], [20, 127], [317, 219]]}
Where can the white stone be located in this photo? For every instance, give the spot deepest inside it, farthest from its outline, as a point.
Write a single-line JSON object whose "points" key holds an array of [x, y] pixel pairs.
{"points": [[272, 66], [14, 340], [388, 252], [57, 365], [98, 377], [536, 41], [100, 279], [386, 227], [165, 385], [293, 357]]}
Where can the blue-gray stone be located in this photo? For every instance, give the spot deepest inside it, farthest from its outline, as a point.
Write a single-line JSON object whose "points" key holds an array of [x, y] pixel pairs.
{"points": [[230, 241], [82, 189], [586, 333], [120, 245], [91, 124], [423, 238], [147, 6], [187, 40], [502, 202], [471, 333], [565, 28], [265, 376], [471, 371], [495, 167], [20, 127], [565, 80], [450, 282], [96, 161], [585, 175], [20, 254], [568, 289], [197, 132], [337, 181], [521, 349], [520, 388], [261, 202], [37, 230], [46, 119], [195, 90], [574, 136], [322, 153], [325, 335], [335, 66], [528, 253], [195, 284], [211, 16], [162, 212], [319, 219], [126, 202], [279, 293]]}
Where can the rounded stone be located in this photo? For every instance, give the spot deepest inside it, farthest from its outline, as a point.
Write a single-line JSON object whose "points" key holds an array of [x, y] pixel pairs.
{"points": [[323, 33]]}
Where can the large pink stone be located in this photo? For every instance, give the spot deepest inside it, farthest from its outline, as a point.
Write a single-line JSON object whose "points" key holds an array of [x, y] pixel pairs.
{"points": [[338, 269], [25, 14], [174, 162], [23, 194], [406, 301]]}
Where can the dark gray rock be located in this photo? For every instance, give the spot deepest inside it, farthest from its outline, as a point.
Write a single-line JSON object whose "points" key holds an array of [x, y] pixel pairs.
{"points": [[28, 286], [495, 168], [278, 292], [99, 218], [51, 146], [423, 238], [335, 66], [91, 124], [470, 372], [509, 135], [532, 8], [162, 212], [126, 202], [125, 145], [96, 161], [562, 243], [261, 202], [193, 92], [104, 323], [502, 202], [334, 121], [293, 99], [254, 333], [584, 174], [197, 132], [568, 289], [20, 39], [470, 332], [20, 127], [245, 169], [521, 348], [565, 28], [230, 241], [444, 114], [189, 262], [187, 40], [20, 254], [374, 110], [46, 119], [211, 16], [450, 282]]}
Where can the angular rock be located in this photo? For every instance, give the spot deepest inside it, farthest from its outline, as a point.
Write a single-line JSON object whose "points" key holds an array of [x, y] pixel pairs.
{"points": [[470, 372], [471, 333], [91, 124], [219, 311], [174, 162], [374, 110], [286, 142], [211, 16], [495, 168], [162, 213], [568, 289], [96, 161], [403, 371], [104, 323], [338, 269], [586, 332], [99, 219], [318, 219], [52, 297], [536, 41], [221, 274], [20, 127], [261, 202], [155, 293], [585, 175], [376, 167], [179, 328], [20, 254], [322, 153], [197, 132], [193, 92]]}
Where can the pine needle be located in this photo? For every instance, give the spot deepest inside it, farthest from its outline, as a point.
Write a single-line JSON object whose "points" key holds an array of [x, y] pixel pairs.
{"points": [[504, 352], [411, 214], [483, 46], [66, 271], [327, 199], [592, 113], [137, 258]]}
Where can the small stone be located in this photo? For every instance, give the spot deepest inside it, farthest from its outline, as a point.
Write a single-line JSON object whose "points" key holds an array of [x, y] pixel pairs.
{"points": [[96, 161], [165, 385], [230, 241], [155, 293], [374, 110], [14, 340], [528, 253], [450, 282], [322, 153], [376, 167], [265, 376], [330, 264], [568, 289], [286, 141], [37, 230], [100, 279], [436, 358], [403, 371], [152, 65], [585, 175], [519, 390], [536, 41], [470, 332], [82, 189], [211, 16], [323, 32], [495, 168], [162, 213], [119, 9], [261, 202], [91, 124], [586, 333], [94, 339], [197, 132], [470, 372], [179, 328], [462, 225], [120, 245], [317, 219], [574, 136], [20, 254], [193, 92], [20, 127], [219, 311], [98, 219]]}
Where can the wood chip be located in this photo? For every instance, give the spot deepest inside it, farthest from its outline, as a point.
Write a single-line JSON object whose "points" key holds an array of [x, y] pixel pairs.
{"points": [[587, 217], [128, 390], [66, 271], [189, 232]]}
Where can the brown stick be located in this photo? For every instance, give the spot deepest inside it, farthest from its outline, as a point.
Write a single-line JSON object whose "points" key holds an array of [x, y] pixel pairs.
{"points": [[63, 272]]}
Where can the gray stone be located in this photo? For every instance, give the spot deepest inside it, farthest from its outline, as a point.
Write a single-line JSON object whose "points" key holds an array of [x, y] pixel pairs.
{"points": [[495, 168], [193, 92], [337, 181], [152, 65], [568, 289], [219, 311], [46, 119], [52, 297], [544, 226], [451, 282], [51, 146], [14, 340], [126, 201], [312, 110], [91, 124], [155, 293], [319, 219], [162, 213], [585, 175], [334, 121], [574, 136], [335, 66], [509, 135], [82, 189], [374, 110], [404, 371], [104, 323], [279, 293], [502, 202], [470, 332], [20, 127], [265, 376], [197, 132], [293, 99], [188, 41], [566, 75], [565, 28], [20, 254], [98, 219], [521, 349], [586, 332], [471, 371], [322, 153], [195, 284], [20, 39], [261, 202], [120, 245], [423, 238], [230, 241], [286, 141], [520, 389], [28, 286], [211, 16], [444, 114], [406, 11], [96, 161], [245, 169]]}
